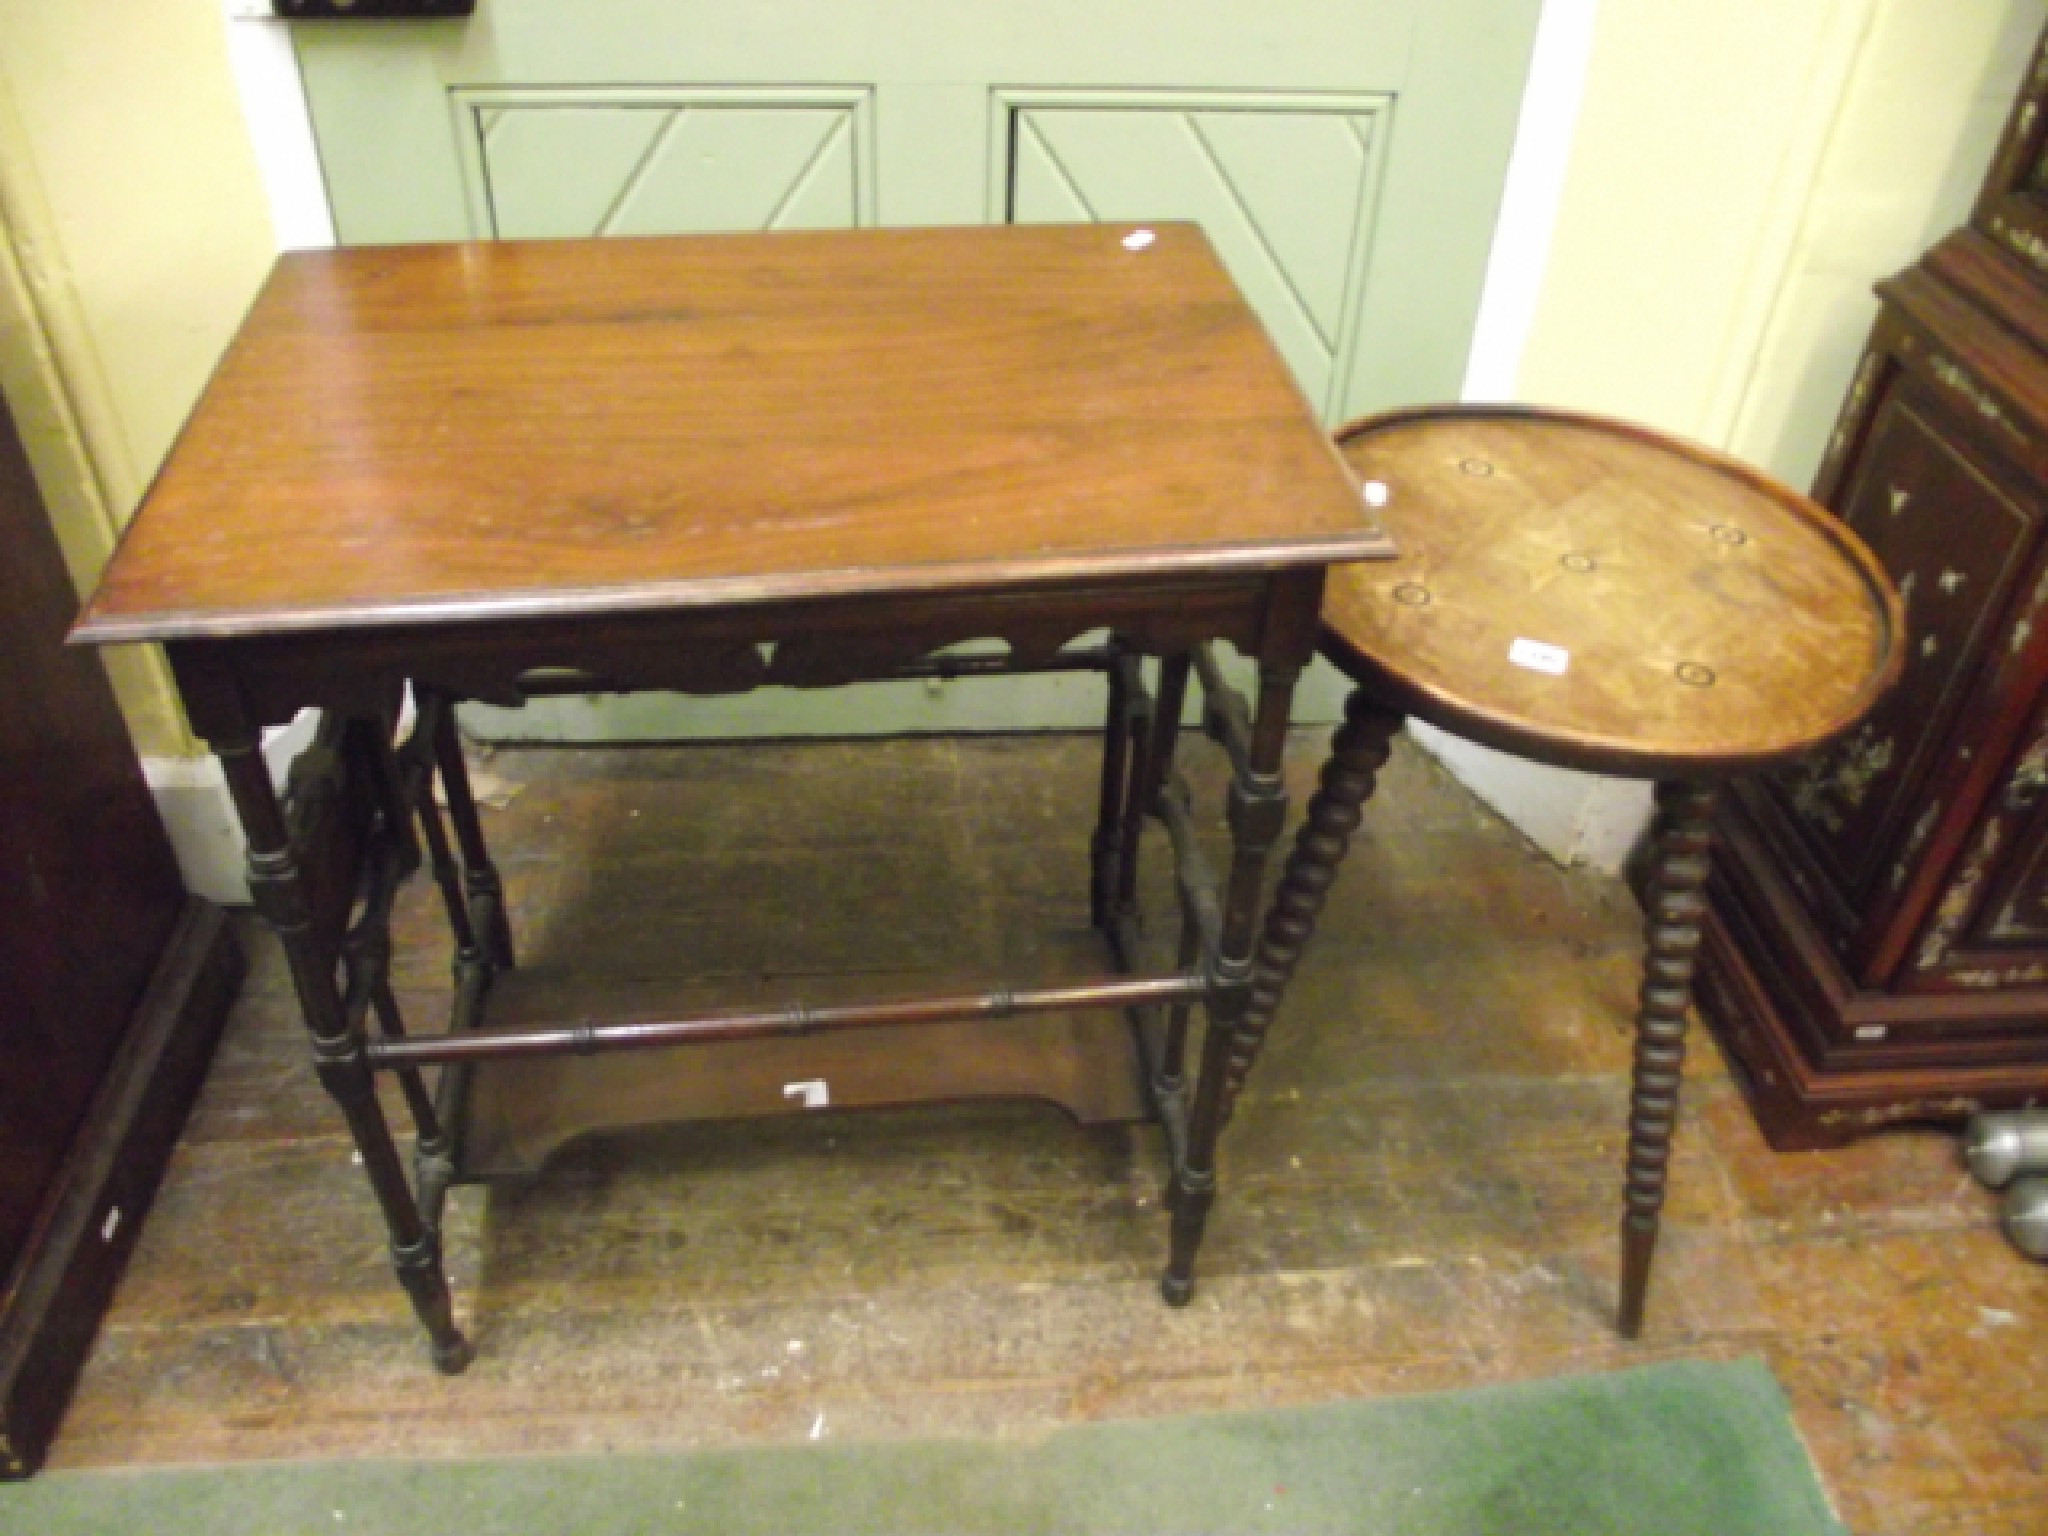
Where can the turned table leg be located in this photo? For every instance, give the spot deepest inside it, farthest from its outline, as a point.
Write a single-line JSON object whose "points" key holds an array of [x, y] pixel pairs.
{"points": [[480, 877], [1109, 819], [279, 891], [1157, 730], [1675, 902], [1257, 811], [1357, 753], [441, 858]]}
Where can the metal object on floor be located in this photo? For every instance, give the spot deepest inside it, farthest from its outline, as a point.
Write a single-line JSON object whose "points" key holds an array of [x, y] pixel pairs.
{"points": [[2001, 1147], [2010, 1151], [2025, 1217]]}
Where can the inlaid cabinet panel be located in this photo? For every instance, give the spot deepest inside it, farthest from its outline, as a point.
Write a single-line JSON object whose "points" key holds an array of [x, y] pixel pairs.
{"points": [[1989, 930], [1954, 533], [2015, 912]]}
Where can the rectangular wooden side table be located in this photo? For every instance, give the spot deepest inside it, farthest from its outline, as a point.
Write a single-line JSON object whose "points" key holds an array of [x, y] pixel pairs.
{"points": [[496, 470]]}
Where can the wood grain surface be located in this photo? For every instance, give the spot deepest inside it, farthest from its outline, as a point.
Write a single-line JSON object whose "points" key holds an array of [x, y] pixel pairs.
{"points": [[514, 430], [1690, 614]]}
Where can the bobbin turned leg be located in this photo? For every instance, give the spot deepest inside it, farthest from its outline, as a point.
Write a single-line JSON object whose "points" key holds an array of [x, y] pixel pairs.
{"points": [[280, 894], [1257, 811], [1357, 753], [1675, 900]]}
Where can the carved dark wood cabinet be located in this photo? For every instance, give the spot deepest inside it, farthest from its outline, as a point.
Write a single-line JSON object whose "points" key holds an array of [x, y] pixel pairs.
{"points": [[1879, 945], [113, 983]]}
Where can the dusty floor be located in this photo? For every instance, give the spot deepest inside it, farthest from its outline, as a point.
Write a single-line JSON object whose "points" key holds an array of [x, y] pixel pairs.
{"points": [[1420, 1190]]}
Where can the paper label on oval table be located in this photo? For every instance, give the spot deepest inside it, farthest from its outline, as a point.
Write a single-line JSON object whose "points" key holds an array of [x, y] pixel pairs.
{"points": [[1538, 657]]}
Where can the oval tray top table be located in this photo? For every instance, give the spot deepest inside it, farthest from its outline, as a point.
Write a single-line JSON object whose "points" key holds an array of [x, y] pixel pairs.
{"points": [[1592, 595]]}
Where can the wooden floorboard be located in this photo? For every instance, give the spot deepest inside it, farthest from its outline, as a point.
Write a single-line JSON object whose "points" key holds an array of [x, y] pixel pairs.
{"points": [[1420, 1191]]}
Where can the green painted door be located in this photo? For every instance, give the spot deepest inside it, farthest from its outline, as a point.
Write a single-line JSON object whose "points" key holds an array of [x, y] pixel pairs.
{"points": [[1346, 156]]}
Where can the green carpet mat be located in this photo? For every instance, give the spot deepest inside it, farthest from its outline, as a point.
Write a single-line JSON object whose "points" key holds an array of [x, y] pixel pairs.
{"points": [[1666, 1450]]}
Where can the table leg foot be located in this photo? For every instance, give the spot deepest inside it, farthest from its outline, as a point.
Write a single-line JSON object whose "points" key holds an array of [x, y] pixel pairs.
{"points": [[1188, 1198], [426, 1284], [456, 1358], [1638, 1246], [1681, 840]]}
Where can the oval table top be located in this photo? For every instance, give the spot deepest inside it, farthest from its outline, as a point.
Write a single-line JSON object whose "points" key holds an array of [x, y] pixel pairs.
{"points": [[1593, 594]]}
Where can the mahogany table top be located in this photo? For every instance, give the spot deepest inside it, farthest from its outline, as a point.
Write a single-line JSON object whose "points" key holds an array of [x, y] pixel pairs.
{"points": [[448, 433], [1593, 594]]}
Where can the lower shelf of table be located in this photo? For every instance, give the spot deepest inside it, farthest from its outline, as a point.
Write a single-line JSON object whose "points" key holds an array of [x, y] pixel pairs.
{"points": [[519, 1112]]}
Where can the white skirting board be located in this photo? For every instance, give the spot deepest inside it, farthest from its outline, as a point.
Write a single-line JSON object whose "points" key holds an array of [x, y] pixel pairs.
{"points": [[1576, 818], [192, 798]]}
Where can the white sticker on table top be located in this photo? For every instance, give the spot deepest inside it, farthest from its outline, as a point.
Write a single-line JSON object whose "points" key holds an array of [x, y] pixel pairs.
{"points": [[815, 1093], [1538, 657]]}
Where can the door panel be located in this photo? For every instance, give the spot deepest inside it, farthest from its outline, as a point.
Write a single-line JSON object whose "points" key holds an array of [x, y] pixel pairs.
{"points": [[554, 164], [1285, 192], [1346, 156]]}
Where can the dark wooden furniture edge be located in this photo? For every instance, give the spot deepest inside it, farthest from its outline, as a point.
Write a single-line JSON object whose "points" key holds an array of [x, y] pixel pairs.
{"points": [[1982, 1028], [1995, 280], [1800, 1107], [55, 1298], [964, 578], [2008, 211], [231, 685], [1768, 985]]}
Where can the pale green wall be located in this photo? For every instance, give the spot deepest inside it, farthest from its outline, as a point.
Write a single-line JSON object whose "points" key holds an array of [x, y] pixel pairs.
{"points": [[135, 231]]}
